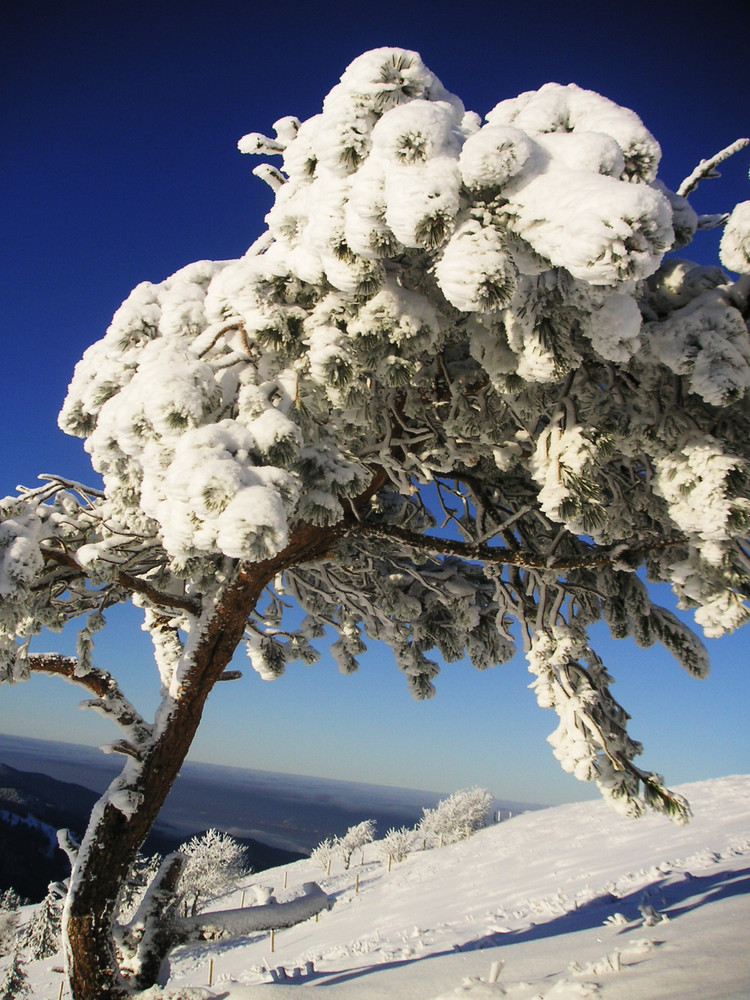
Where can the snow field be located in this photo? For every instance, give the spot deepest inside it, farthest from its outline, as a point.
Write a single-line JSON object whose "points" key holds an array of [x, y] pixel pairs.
{"points": [[560, 904], [555, 895]]}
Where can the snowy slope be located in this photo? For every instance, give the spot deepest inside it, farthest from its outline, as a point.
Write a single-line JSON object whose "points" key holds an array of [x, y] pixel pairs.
{"points": [[554, 895]]}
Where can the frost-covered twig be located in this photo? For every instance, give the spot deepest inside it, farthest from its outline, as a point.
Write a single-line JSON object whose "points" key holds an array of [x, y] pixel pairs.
{"points": [[707, 168]]}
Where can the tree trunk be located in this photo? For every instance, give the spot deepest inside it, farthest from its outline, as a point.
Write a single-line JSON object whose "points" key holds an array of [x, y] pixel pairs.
{"points": [[154, 922], [113, 838]]}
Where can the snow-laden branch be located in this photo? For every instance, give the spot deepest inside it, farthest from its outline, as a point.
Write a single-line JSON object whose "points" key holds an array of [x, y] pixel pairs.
{"points": [[68, 846], [109, 698], [481, 552], [707, 168], [128, 582], [238, 923], [149, 935]]}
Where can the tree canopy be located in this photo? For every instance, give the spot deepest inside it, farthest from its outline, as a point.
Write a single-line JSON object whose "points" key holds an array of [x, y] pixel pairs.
{"points": [[461, 394]]}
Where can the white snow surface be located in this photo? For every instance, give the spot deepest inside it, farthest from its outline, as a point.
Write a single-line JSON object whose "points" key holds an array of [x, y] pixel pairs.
{"points": [[553, 896]]}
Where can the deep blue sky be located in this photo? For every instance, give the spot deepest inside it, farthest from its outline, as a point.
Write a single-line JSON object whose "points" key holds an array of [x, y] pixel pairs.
{"points": [[119, 122]]}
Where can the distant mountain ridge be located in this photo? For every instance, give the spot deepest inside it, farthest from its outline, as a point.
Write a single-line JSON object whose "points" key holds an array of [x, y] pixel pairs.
{"points": [[45, 786], [34, 806], [294, 812]]}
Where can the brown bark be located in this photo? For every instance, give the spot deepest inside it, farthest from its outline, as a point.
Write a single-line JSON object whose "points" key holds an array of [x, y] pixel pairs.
{"points": [[113, 839]]}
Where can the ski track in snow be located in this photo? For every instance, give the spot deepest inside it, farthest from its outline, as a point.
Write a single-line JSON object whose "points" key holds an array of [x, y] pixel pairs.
{"points": [[574, 900]]}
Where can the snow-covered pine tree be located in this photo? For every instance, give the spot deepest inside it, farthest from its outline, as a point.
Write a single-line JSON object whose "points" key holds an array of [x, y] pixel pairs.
{"points": [[9, 904], [459, 382], [8, 931], [15, 982], [41, 936], [10, 900]]}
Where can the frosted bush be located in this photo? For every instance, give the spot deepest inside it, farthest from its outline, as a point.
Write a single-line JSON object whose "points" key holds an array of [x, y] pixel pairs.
{"points": [[456, 817], [322, 855], [353, 840], [397, 844], [215, 863]]}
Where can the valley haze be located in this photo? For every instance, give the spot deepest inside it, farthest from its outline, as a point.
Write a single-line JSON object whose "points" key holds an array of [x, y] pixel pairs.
{"points": [[290, 811]]}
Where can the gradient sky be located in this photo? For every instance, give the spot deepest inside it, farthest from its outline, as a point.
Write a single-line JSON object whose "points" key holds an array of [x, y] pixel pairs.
{"points": [[119, 123]]}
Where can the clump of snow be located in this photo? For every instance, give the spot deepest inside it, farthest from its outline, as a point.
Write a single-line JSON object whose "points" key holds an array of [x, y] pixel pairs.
{"points": [[601, 229], [492, 156], [559, 459], [735, 241], [686, 481], [476, 272], [570, 110], [614, 328], [706, 340]]}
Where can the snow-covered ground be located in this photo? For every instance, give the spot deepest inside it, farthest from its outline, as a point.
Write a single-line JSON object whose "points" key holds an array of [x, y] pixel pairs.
{"points": [[564, 897]]}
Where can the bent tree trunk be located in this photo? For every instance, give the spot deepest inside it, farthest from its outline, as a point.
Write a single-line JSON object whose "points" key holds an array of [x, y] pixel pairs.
{"points": [[113, 836]]}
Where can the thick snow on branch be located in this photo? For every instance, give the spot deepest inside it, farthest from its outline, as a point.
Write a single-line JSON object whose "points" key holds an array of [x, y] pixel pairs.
{"points": [[265, 917]]}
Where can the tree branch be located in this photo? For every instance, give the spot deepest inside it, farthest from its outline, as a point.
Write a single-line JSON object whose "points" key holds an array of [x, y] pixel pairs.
{"points": [[129, 582], [239, 923], [480, 552], [707, 168], [148, 937], [157, 597], [110, 698]]}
